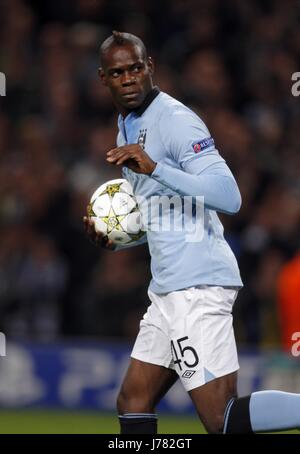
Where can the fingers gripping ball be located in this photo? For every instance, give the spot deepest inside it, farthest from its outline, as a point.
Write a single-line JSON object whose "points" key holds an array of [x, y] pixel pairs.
{"points": [[115, 212]]}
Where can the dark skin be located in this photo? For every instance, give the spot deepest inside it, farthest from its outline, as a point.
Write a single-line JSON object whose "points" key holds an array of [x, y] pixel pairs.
{"points": [[128, 76]]}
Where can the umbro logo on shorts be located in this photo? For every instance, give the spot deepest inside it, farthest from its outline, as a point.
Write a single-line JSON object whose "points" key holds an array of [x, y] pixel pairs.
{"points": [[188, 373]]}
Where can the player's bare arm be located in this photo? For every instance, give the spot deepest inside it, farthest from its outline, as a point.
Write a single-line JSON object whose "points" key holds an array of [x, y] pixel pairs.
{"points": [[133, 157]]}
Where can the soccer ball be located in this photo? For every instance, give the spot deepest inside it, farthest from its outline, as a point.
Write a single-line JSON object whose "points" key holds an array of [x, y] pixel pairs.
{"points": [[115, 212]]}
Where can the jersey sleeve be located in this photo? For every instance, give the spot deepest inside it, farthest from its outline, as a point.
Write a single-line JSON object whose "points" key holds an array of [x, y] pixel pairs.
{"points": [[202, 171], [188, 141]]}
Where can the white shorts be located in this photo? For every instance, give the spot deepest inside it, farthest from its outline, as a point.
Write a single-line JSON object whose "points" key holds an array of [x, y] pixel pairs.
{"points": [[191, 332]]}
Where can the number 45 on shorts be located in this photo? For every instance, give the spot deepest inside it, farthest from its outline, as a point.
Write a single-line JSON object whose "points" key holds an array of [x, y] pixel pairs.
{"points": [[180, 353]]}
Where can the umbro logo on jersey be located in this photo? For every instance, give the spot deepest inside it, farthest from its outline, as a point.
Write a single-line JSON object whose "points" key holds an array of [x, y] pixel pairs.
{"points": [[142, 138], [201, 145], [188, 373]]}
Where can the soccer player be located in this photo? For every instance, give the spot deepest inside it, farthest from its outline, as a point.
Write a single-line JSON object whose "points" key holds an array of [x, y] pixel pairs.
{"points": [[165, 149]]}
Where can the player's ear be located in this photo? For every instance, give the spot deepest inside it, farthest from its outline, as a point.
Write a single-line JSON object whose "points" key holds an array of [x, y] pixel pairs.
{"points": [[150, 64], [102, 76]]}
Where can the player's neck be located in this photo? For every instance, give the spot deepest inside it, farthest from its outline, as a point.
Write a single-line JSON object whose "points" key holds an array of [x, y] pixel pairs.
{"points": [[151, 95]]}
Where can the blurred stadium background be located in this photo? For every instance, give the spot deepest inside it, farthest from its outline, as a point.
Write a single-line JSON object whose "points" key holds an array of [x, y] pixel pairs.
{"points": [[70, 312]]}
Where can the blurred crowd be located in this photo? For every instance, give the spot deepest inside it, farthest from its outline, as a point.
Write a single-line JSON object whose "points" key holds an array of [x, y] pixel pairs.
{"points": [[231, 62]]}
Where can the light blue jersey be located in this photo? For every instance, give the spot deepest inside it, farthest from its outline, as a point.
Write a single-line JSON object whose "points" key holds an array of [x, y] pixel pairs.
{"points": [[188, 164]]}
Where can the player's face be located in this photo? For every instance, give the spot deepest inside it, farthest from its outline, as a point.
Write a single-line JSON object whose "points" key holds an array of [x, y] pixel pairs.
{"points": [[128, 76]]}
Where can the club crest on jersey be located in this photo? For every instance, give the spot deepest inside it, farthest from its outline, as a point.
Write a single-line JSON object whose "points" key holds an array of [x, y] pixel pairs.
{"points": [[201, 145], [142, 138]]}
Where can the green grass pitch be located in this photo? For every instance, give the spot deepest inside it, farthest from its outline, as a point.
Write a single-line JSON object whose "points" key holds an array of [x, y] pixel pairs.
{"points": [[83, 422]]}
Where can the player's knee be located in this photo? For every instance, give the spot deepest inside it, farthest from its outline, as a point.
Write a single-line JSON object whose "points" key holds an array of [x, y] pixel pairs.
{"points": [[132, 401]]}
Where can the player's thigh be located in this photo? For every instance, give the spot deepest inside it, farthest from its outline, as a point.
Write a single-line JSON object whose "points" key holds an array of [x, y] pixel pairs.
{"points": [[144, 385], [202, 337], [211, 399]]}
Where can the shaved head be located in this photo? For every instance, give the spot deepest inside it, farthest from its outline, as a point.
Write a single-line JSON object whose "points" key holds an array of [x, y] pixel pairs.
{"points": [[119, 39]]}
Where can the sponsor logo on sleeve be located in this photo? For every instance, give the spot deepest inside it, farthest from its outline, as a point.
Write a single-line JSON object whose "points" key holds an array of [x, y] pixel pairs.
{"points": [[201, 145]]}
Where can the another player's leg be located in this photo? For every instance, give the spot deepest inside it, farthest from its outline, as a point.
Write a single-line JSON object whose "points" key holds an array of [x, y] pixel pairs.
{"points": [[143, 387], [263, 411]]}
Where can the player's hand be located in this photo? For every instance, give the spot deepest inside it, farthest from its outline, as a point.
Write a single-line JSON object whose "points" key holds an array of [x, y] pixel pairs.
{"points": [[95, 237], [133, 157]]}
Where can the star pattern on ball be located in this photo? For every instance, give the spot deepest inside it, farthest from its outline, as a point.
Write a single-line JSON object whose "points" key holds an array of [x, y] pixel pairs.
{"points": [[111, 189], [113, 221]]}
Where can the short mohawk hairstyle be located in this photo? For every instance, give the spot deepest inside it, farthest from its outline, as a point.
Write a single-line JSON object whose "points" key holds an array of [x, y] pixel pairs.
{"points": [[120, 39]]}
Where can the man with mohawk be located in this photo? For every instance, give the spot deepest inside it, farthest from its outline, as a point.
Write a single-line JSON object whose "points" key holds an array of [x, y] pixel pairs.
{"points": [[164, 148]]}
